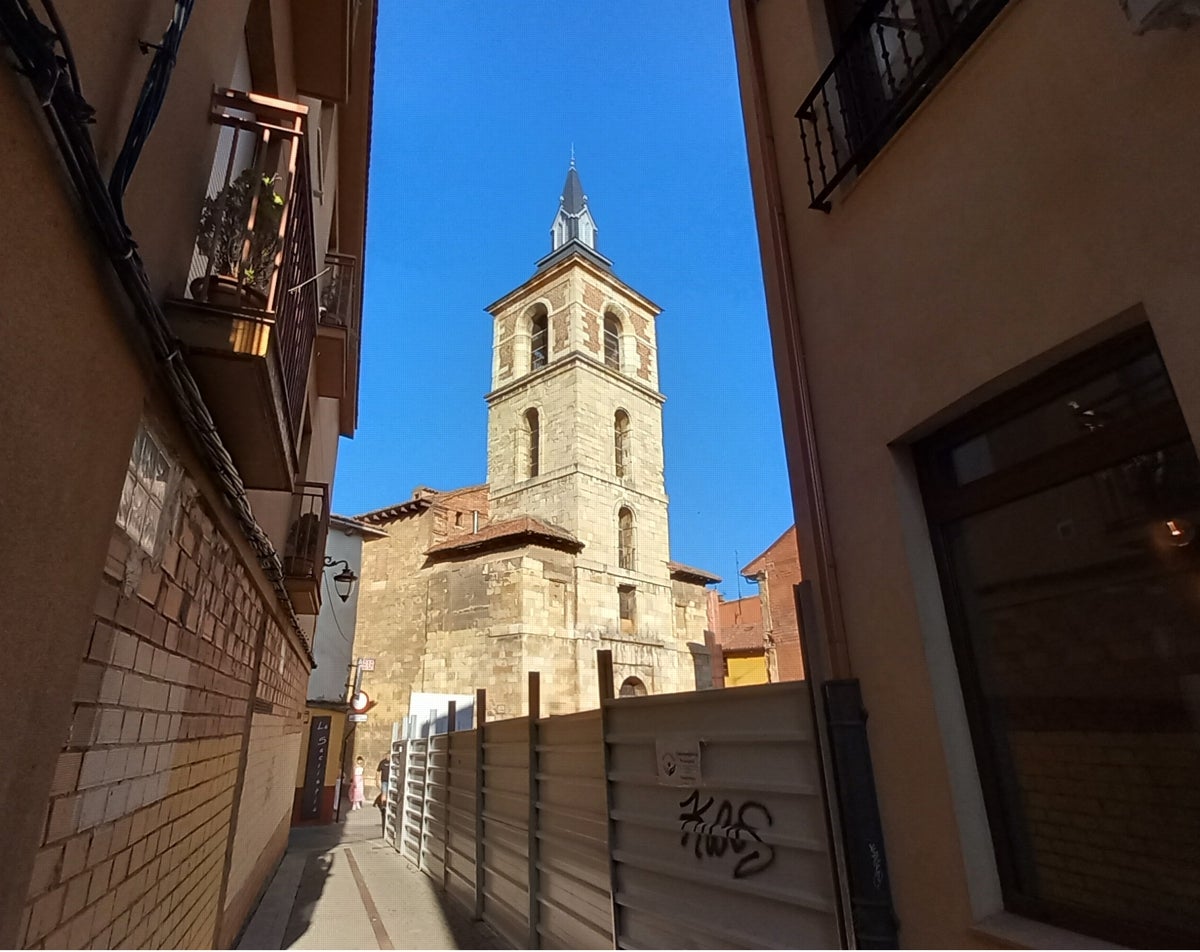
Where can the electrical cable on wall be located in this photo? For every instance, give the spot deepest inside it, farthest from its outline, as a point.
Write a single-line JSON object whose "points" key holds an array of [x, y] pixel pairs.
{"points": [[67, 112], [154, 91]]}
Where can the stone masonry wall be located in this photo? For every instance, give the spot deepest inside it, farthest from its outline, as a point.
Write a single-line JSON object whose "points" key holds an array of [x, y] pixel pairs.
{"points": [[137, 825], [391, 625]]}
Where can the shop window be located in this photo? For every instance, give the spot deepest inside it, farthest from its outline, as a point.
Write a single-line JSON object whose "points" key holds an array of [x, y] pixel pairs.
{"points": [[1063, 517]]}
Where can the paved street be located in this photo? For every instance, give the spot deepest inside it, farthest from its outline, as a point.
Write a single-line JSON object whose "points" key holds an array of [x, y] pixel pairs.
{"points": [[343, 887]]}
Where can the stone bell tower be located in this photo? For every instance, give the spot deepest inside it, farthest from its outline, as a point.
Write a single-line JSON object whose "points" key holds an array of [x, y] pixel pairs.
{"points": [[575, 424]]}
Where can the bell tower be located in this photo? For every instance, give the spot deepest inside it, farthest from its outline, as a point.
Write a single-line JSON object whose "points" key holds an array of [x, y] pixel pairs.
{"points": [[575, 421]]}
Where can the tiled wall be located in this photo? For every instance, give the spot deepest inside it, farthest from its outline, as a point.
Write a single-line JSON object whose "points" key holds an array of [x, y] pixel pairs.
{"points": [[138, 821]]}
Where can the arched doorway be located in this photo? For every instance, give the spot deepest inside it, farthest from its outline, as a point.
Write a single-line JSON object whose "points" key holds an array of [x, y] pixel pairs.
{"points": [[633, 687]]}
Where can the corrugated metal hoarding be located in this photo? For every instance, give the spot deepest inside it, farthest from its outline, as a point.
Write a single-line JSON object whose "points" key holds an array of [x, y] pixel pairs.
{"points": [[460, 820], [506, 828], [433, 823], [412, 813], [574, 903], [718, 827]]}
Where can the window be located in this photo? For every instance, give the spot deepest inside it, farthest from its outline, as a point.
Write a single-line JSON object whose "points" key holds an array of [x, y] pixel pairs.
{"points": [[621, 443], [625, 548], [147, 498], [532, 443], [612, 341], [627, 606], [1063, 517], [539, 340], [633, 687]]}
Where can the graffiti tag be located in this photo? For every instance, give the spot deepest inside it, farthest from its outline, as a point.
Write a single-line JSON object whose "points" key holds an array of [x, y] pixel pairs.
{"points": [[724, 832]]}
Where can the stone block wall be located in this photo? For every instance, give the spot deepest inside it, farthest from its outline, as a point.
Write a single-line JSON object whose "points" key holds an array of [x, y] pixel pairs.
{"points": [[391, 625], [141, 809]]}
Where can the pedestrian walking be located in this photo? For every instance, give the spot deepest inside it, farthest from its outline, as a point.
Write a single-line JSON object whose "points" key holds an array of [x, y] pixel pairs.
{"points": [[384, 772], [357, 792]]}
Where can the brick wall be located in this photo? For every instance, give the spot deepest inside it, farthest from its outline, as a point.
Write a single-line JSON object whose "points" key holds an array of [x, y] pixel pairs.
{"points": [[779, 571], [137, 824], [265, 808]]}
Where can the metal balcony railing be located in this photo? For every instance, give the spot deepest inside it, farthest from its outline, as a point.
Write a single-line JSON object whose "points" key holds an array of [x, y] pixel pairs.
{"points": [[254, 248], [336, 291], [888, 59], [304, 552]]}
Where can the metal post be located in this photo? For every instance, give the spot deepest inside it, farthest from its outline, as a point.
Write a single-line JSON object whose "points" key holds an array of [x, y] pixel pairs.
{"points": [[451, 719], [535, 711], [604, 675], [480, 724]]}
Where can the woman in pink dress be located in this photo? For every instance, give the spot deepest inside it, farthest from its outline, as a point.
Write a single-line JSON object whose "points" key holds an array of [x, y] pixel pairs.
{"points": [[357, 794]]}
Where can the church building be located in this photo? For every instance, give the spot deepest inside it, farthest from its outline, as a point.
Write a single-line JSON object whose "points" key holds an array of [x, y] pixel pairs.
{"points": [[565, 550]]}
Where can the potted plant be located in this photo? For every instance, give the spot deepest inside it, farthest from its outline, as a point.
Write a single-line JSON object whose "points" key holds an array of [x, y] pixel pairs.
{"points": [[222, 236]]}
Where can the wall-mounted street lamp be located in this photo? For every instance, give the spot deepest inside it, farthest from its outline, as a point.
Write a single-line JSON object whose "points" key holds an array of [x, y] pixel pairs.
{"points": [[343, 582]]}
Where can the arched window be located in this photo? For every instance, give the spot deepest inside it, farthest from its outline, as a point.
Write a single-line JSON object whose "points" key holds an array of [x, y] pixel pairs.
{"points": [[621, 443], [626, 554], [532, 442], [612, 341], [539, 340], [633, 687]]}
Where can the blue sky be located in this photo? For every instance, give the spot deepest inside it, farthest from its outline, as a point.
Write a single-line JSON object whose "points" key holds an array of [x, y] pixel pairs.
{"points": [[476, 108]]}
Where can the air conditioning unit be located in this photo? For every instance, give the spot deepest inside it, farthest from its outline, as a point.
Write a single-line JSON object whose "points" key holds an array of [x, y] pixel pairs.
{"points": [[1145, 15]]}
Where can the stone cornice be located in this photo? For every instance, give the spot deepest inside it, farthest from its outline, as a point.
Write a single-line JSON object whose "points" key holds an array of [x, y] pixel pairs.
{"points": [[563, 364]]}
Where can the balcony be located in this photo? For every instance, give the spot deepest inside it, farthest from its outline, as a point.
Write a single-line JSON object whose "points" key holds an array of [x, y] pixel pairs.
{"points": [[304, 552], [338, 326], [889, 58], [248, 317]]}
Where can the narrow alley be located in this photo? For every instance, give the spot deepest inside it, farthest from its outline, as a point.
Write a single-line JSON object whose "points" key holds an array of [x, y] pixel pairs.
{"points": [[342, 887]]}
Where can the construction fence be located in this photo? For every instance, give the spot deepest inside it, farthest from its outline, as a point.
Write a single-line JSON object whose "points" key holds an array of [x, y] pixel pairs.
{"points": [[693, 820]]}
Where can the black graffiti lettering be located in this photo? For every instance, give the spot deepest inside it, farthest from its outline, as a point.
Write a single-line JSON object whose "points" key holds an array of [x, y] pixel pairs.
{"points": [[712, 839], [760, 858]]}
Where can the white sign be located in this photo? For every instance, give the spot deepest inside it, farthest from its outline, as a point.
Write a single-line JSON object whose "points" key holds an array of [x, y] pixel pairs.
{"points": [[367, 664], [678, 760], [358, 718]]}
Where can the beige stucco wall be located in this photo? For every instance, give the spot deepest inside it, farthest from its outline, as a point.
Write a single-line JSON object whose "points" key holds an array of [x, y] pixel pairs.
{"points": [[1043, 189]]}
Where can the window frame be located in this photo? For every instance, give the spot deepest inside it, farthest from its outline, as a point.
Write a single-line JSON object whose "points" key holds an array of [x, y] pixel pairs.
{"points": [[539, 328], [627, 597], [533, 442], [622, 426], [626, 540], [613, 355], [946, 505]]}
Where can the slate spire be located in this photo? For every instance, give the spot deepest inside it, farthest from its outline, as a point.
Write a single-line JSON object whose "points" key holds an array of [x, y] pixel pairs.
{"points": [[574, 220]]}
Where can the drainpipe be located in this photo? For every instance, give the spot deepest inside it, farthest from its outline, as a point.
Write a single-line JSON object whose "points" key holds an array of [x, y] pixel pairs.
{"points": [[783, 312]]}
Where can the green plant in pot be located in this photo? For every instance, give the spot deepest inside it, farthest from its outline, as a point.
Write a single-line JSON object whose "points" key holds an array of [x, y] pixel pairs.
{"points": [[222, 236]]}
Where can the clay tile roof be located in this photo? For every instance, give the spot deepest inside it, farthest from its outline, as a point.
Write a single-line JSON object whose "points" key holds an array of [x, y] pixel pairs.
{"points": [[686, 573], [394, 511], [355, 525], [739, 624], [509, 532]]}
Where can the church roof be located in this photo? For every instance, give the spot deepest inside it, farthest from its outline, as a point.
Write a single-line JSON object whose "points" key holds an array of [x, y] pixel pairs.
{"points": [[508, 532], [422, 498], [687, 573]]}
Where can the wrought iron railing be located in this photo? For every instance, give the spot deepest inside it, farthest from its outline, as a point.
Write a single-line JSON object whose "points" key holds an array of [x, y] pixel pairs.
{"points": [[254, 249], [244, 219], [888, 59], [336, 291], [304, 552], [296, 312]]}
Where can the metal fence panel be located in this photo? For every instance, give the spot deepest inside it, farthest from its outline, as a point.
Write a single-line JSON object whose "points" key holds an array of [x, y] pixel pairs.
{"points": [[506, 828], [460, 820], [412, 814], [718, 824], [394, 798], [437, 792], [574, 901]]}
